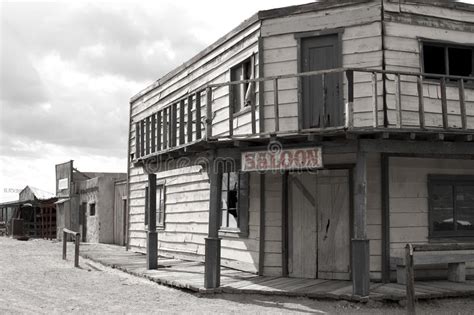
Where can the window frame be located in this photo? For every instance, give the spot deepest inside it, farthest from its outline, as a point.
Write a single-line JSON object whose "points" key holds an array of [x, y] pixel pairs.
{"points": [[160, 225], [453, 180], [446, 45], [242, 207], [243, 107], [92, 206]]}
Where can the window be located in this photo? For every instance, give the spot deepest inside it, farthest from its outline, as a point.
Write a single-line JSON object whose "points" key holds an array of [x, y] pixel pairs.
{"points": [[451, 201], [234, 212], [242, 95], [160, 205], [92, 209], [448, 59]]}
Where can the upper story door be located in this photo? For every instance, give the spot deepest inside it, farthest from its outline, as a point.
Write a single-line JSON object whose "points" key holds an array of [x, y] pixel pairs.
{"points": [[321, 106]]}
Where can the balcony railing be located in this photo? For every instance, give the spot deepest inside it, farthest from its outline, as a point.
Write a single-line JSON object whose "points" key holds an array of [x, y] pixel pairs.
{"points": [[371, 100]]}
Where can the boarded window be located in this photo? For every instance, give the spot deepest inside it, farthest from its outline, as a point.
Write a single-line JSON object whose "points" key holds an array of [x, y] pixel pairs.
{"points": [[451, 201], [234, 212], [448, 59], [242, 95]]}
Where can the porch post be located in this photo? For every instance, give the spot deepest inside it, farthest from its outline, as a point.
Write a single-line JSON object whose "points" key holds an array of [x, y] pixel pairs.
{"points": [[212, 265], [360, 243], [152, 236]]}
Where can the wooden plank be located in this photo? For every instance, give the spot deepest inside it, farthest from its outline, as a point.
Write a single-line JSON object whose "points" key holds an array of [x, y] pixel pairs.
{"points": [[137, 141], [262, 221], [231, 108], [181, 122], [410, 280], [462, 105], [284, 227], [189, 123], [323, 107], [398, 101], [165, 128], [375, 114], [208, 113], [142, 138], [350, 99], [198, 115], [153, 133], [385, 199], [276, 105], [147, 134], [173, 124], [159, 128], [421, 105]]}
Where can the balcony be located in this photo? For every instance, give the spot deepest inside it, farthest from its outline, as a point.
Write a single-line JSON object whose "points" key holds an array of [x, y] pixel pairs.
{"points": [[370, 102]]}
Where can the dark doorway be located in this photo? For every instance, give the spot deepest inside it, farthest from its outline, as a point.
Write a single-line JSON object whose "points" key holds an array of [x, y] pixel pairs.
{"points": [[321, 107]]}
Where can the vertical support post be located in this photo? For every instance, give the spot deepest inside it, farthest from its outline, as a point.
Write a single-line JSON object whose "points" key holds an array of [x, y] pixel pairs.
{"points": [[137, 140], [350, 99], [231, 106], [261, 252], [444, 103], [410, 279], [462, 105], [153, 133], [173, 125], [189, 124], [375, 105], [253, 108], [198, 115], [181, 122], [152, 236], [64, 244], [421, 102], [159, 127], [398, 101], [208, 113], [385, 188], [360, 243], [284, 225], [77, 240], [165, 128], [212, 265], [322, 123], [276, 106]]}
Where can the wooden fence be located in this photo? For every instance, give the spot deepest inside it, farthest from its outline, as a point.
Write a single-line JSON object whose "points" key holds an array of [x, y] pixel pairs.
{"points": [[77, 240]]}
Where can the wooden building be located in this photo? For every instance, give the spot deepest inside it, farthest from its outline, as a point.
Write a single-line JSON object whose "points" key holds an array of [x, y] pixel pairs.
{"points": [[312, 141], [91, 203]]}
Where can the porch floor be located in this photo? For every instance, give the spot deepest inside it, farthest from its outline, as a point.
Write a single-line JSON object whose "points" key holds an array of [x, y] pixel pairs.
{"points": [[190, 275]]}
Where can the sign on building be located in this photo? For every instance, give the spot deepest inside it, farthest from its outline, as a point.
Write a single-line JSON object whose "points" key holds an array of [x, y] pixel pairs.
{"points": [[284, 159], [63, 183]]}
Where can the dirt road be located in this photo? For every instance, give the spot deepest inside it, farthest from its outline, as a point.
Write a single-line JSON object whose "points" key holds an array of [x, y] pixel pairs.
{"points": [[34, 279]]}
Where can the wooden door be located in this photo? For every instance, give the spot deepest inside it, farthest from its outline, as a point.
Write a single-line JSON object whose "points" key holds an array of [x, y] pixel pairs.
{"points": [[333, 225], [302, 239], [321, 53]]}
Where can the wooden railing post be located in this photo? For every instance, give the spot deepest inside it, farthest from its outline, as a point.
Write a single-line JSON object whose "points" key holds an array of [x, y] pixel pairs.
{"points": [[181, 122], [231, 109], [444, 103], [410, 279], [421, 103], [276, 105], [462, 105], [189, 125], [323, 108], [398, 101], [198, 115], [375, 106], [350, 99], [208, 113], [153, 133]]}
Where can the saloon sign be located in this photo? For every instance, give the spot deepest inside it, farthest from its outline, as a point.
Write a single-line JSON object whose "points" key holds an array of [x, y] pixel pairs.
{"points": [[289, 159]]}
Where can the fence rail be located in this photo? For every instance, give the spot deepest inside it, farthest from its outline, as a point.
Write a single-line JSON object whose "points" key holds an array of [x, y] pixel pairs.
{"points": [[77, 240], [370, 99]]}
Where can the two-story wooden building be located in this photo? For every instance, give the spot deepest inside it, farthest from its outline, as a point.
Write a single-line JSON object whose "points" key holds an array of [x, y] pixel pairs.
{"points": [[312, 141]]}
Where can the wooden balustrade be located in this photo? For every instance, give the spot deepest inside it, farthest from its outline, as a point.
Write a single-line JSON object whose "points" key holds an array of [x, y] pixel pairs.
{"points": [[181, 122]]}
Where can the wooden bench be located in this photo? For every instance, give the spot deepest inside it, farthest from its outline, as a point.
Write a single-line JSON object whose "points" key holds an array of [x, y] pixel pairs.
{"points": [[456, 264]]}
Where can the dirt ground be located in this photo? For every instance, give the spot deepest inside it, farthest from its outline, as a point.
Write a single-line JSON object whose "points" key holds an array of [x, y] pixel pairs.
{"points": [[34, 279]]}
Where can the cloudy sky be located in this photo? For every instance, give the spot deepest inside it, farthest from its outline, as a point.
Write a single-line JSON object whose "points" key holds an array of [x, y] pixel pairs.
{"points": [[68, 69]]}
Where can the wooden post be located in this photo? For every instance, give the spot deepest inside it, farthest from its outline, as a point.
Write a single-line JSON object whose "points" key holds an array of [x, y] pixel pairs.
{"points": [[444, 103], [153, 133], [462, 105], [231, 108], [322, 123], [421, 102], [137, 140], [165, 128], [198, 115], [147, 135], [261, 252], [173, 125], [350, 99], [64, 244], [385, 189], [410, 279], [360, 243], [159, 127], [189, 124], [152, 236], [375, 106], [208, 113], [77, 240], [284, 225], [212, 263], [181, 122], [398, 101], [276, 105]]}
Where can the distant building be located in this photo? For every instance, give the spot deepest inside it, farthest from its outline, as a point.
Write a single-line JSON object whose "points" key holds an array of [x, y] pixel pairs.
{"points": [[91, 203]]}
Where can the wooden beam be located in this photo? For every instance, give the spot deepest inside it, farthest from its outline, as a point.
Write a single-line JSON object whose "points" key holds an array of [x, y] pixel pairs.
{"points": [[231, 108], [398, 101], [181, 122], [159, 127], [173, 124], [385, 188], [350, 99], [147, 135], [375, 106], [142, 138], [165, 128], [261, 86], [137, 140], [323, 107], [276, 106], [208, 113], [462, 105], [198, 115], [261, 250], [444, 103], [152, 236], [153, 133], [189, 123], [417, 147], [284, 225], [421, 102]]}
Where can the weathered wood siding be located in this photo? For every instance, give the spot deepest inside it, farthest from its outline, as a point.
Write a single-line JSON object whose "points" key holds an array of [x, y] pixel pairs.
{"points": [[361, 47], [409, 196], [405, 27]]}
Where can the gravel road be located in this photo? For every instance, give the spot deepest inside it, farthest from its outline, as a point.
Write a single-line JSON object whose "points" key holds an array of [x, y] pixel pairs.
{"points": [[34, 279]]}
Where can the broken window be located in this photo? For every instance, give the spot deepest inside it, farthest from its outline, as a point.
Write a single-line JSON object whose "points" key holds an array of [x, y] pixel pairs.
{"points": [[243, 94], [234, 201], [446, 59], [451, 200], [92, 209]]}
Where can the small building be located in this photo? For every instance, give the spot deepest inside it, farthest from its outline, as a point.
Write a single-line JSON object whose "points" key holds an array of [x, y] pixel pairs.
{"points": [[312, 141], [36, 211], [91, 203]]}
